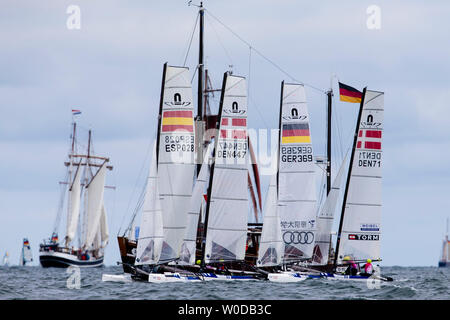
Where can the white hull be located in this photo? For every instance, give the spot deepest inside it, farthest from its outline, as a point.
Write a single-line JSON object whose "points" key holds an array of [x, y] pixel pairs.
{"points": [[176, 277]]}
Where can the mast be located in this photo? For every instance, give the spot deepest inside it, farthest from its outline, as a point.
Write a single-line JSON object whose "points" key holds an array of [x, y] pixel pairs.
{"points": [[328, 169], [211, 175], [160, 112], [344, 202], [279, 137], [200, 92]]}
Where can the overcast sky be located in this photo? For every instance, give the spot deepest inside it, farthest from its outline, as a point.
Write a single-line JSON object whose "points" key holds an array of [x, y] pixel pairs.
{"points": [[110, 69]]}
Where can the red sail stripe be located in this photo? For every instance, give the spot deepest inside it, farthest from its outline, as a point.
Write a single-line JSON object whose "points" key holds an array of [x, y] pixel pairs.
{"points": [[372, 145], [178, 114], [360, 133], [239, 122], [224, 121], [373, 134], [177, 127], [358, 145], [296, 133]]}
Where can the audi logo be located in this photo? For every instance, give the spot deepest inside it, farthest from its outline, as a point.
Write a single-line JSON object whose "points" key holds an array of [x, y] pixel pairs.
{"points": [[298, 237]]}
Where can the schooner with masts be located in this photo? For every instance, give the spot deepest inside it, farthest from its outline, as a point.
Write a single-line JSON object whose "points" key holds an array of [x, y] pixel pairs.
{"points": [[86, 228]]}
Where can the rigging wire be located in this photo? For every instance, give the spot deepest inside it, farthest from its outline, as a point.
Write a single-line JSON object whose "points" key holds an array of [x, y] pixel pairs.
{"points": [[136, 185], [190, 41], [262, 55]]}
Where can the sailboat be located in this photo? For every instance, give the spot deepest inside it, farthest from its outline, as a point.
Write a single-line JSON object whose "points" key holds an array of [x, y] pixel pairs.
{"points": [[26, 256], [359, 232], [291, 204], [5, 261], [201, 132], [445, 255], [86, 228]]}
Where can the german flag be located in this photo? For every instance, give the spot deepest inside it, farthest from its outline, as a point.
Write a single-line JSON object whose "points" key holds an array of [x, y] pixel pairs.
{"points": [[295, 133], [349, 94], [177, 120]]}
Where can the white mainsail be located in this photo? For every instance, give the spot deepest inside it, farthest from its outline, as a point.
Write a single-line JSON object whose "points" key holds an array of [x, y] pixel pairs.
{"points": [[176, 157], [26, 256], [151, 235], [188, 248], [95, 191], [228, 194], [325, 220], [361, 221], [271, 248], [74, 210], [297, 197]]}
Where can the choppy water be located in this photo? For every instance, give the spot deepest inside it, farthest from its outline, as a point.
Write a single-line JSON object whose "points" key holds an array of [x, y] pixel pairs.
{"points": [[51, 283]]}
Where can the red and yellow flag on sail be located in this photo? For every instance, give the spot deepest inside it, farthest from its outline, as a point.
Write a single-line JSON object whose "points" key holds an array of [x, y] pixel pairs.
{"points": [[177, 120], [349, 94]]}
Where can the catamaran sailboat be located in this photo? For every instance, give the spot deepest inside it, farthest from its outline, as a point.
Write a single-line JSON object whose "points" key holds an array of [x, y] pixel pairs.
{"points": [[26, 257], [445, 256], [86, 228]]}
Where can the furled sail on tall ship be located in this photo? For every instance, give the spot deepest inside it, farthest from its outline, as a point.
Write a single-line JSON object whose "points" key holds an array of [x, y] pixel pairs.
{"points": [[360, 225], [176, 157], [227, 207], [325, 221], [271, 248], [151, 234], [297, 197]]}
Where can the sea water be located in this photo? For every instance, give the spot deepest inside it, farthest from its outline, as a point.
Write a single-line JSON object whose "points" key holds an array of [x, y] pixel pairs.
{"points": [[53, 283]]}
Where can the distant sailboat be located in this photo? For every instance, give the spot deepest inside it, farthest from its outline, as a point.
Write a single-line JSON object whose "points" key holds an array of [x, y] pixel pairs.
{"points": [[26, 256], [445, 255], [5, 261], [86, 221]]}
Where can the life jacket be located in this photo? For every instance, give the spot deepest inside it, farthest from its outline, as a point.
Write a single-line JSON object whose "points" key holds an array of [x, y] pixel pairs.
{"points": [[368, 268]]}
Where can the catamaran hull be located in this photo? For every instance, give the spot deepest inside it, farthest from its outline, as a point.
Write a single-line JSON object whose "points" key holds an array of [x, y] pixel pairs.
{"points": [[176, 277], [64, 260], [341, 277]]}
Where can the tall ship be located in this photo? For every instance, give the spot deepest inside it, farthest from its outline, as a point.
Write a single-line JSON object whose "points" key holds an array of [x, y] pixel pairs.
{"points": [[85, 221], [26, 256], [445, 254]]}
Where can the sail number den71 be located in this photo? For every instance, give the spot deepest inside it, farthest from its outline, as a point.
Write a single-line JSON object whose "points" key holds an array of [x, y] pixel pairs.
{"points": [[369, 159]]}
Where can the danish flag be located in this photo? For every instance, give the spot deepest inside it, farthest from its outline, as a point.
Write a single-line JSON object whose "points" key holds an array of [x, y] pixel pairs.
{"points": [[369, 139], [233, 128]]}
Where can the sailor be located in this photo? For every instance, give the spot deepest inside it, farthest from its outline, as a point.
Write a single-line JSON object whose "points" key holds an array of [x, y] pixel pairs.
{"points": [[368, 268], [352, 268]]}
